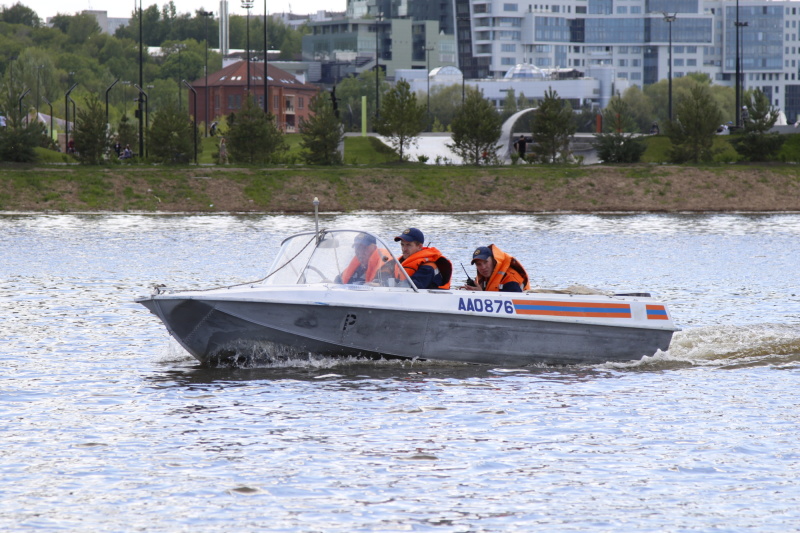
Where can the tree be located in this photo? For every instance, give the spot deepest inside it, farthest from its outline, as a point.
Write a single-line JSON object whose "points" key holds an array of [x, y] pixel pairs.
{"points": [[640, 108], [613, 145], [445, 102], [476, 129], [172, 136], [19, 137], [402, 118], [91, 132], [322, 132], [552, 128], [694, 128], [756, 144], [183, 60], [253, 136], [351, 89], [127, 132], [81, 27], [20, 14]]}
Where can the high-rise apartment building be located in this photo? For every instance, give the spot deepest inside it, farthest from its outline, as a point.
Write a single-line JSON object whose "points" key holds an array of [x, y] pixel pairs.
{"points": [[633, 38]]}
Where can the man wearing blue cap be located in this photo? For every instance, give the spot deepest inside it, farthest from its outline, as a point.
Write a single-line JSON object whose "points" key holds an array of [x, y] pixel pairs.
{"points": [[497, 271], [426, 266]]}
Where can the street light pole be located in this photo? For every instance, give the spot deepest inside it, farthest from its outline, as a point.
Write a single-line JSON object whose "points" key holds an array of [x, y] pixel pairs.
{"points": [[428, 50], [378, 18], [738, 118], [739, 26], [107, 91], [248, 4], [669, 19], [141, 82], [266, 61], [206, 15]]}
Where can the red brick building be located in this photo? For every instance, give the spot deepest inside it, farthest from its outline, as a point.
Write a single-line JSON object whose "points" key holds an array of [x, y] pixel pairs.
{"points": [[288, 97]]}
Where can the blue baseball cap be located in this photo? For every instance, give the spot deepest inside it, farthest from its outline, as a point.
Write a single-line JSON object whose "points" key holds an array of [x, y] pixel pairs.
{"points": [[411, 235], [481, 252]]}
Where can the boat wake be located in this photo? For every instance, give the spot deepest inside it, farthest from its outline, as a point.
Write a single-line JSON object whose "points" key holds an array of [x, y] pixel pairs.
{"points": [[727, 347], [712, 346], [272, 355]]}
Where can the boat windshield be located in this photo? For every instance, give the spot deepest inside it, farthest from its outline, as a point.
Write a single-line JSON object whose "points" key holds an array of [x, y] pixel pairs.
{"points": [[347, 257]]}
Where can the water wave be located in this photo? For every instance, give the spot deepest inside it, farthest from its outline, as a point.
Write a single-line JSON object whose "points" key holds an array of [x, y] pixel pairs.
{"points": [[728, 347]]}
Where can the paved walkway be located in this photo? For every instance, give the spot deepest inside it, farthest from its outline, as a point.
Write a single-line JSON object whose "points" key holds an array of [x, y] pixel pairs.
{"points": [[435, 144]]}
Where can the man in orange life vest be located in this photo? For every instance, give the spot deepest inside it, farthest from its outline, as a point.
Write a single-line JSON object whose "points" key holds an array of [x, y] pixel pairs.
{"points": [[426, 266], [366, 263], [497, 271]]}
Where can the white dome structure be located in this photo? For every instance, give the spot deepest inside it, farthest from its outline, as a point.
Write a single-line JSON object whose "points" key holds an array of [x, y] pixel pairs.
{"points": [[523, 71], [446, 74]]}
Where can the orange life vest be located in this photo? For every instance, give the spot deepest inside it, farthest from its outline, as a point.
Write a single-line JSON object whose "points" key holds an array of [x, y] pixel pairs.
{"points": [[376, 260], [431, 257], [506, 269]]}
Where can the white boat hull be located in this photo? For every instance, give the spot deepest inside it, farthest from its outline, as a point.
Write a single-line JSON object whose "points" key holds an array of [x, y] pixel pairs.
{"points": [[489, 328]]}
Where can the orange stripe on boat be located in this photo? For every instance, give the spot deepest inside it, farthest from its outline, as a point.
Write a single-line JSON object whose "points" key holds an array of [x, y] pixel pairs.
{"points": [[656, 312], [578, 309]]}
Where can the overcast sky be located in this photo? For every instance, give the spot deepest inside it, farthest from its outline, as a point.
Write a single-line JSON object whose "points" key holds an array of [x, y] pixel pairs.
{"points": [[124, 8]]}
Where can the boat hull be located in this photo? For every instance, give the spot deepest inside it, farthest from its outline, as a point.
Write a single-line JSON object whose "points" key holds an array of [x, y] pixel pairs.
{"points": [[211, 329]]}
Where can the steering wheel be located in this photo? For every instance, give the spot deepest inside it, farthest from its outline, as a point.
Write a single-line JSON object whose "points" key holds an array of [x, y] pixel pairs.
{"points": [[323, 279]]}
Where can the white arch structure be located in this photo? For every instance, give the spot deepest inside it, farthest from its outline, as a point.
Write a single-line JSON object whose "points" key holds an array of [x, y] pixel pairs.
{"points": [[505, 142]]}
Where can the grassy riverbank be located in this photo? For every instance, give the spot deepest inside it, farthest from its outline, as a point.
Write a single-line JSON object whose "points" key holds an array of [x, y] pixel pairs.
{"points": [[528, 188]]}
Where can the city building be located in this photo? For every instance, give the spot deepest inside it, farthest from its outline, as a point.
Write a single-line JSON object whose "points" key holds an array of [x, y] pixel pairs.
{"points": [[632, 39], [288, 99], [401, 43], [592, 88], [404, 34], [636, 38]]}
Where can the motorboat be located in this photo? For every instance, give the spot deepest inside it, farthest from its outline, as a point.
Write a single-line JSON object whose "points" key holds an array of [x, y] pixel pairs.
{"points": [[305, 305]]}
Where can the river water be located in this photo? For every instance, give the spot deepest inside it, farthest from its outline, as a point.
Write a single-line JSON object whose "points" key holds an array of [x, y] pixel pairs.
{"points": [[108, 425]]}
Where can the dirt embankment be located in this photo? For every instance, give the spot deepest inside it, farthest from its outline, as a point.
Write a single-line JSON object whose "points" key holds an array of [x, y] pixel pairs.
{"points": [[437, 189]]}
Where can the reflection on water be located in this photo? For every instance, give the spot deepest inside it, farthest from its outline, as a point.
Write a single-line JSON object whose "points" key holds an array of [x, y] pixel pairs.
{"points": [[108, 425]]}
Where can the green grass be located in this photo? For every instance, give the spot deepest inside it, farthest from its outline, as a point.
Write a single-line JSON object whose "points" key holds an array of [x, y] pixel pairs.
{"points": [[658, 149], [367, 151], [51, 156]]}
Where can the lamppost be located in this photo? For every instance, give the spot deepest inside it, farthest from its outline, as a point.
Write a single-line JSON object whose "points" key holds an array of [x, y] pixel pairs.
{"points": [[206, 15], [669, 19], [141, 82], [266, 53], [739, 26], [428, 50], [248, 4], [143, 99], [378, 19]]}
